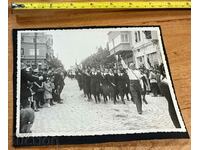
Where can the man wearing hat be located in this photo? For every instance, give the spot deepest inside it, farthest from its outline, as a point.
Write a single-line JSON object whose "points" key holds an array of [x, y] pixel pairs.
{"points": [[135, 87]]}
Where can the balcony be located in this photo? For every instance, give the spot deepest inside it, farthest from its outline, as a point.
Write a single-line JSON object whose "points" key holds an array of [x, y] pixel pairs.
{"points": [[122, 47]]}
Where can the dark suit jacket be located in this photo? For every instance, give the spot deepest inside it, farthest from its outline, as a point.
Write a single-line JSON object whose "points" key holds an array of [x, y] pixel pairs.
{"points": [[25, 92]]}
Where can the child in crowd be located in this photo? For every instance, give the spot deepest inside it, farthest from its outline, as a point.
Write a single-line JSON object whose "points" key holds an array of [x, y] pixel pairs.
{"points": [[47, 91]]}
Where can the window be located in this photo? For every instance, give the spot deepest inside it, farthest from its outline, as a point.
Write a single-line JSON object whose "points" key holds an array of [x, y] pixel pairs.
{"points": [[22, 39], [153, 58], [148, 34], [114, 42], [136, 40], [40, 39], [27, 39], [124, 38], [22, 51], [110, 45], [137, 36], [32, 52]]}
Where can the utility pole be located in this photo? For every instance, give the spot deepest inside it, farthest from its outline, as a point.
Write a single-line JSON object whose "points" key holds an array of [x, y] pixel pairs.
{"points": [[115, 53], [35, 46]]}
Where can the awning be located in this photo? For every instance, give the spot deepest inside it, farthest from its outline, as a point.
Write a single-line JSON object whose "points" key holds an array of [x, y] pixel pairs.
{"points": [[122, 52]]}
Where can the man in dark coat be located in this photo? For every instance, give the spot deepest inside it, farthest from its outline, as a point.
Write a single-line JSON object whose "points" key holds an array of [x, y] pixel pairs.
{"points": [[127, 83], [98, 84], [115, 81], [26, 113], [165, 91], [112, 85], [87, 84], [121, 85], [105, 85], [25, 92], [59, 84], [95, 85]]}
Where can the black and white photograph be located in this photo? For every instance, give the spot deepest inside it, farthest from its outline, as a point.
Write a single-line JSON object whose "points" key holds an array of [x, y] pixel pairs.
{"points": [[97, 83]]}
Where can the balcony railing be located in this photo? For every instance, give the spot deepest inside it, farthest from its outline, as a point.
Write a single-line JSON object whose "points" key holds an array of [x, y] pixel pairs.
{"points": [[120, 47]]}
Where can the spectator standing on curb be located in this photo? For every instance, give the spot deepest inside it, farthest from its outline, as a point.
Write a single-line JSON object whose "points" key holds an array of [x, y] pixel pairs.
{"points": [[26, 112], [47, 92]]}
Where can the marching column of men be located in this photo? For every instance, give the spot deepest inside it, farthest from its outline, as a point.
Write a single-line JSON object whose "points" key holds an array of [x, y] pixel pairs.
{"points": [[115, 84], [95, 82]]}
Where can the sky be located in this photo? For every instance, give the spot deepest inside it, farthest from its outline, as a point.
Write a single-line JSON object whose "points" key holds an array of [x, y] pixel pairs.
{"points": [[75, 45]]}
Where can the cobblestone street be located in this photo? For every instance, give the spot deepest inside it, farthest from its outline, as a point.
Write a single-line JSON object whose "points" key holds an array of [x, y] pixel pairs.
{"points": [[76, 114]]}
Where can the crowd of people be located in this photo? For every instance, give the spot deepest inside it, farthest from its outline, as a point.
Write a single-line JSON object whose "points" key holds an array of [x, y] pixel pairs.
{"points": [[101, 83], [39, 88]]}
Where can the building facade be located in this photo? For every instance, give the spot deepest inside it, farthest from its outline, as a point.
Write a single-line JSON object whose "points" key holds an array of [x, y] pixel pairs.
{"points": [[146, 49], [35, 47], [120, 43], [138, 47]]}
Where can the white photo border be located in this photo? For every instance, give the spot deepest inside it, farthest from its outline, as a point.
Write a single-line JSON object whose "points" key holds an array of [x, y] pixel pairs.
{"points": [[97, 133]]}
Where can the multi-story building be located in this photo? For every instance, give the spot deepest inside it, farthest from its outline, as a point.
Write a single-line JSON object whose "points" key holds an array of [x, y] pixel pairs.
{"points": [[35, 47], [138, 47], [146, 49], [119, 43]]}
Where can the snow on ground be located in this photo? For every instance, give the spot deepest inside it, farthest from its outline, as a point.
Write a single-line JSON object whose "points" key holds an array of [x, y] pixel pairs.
{"points": [[76, 114]]}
